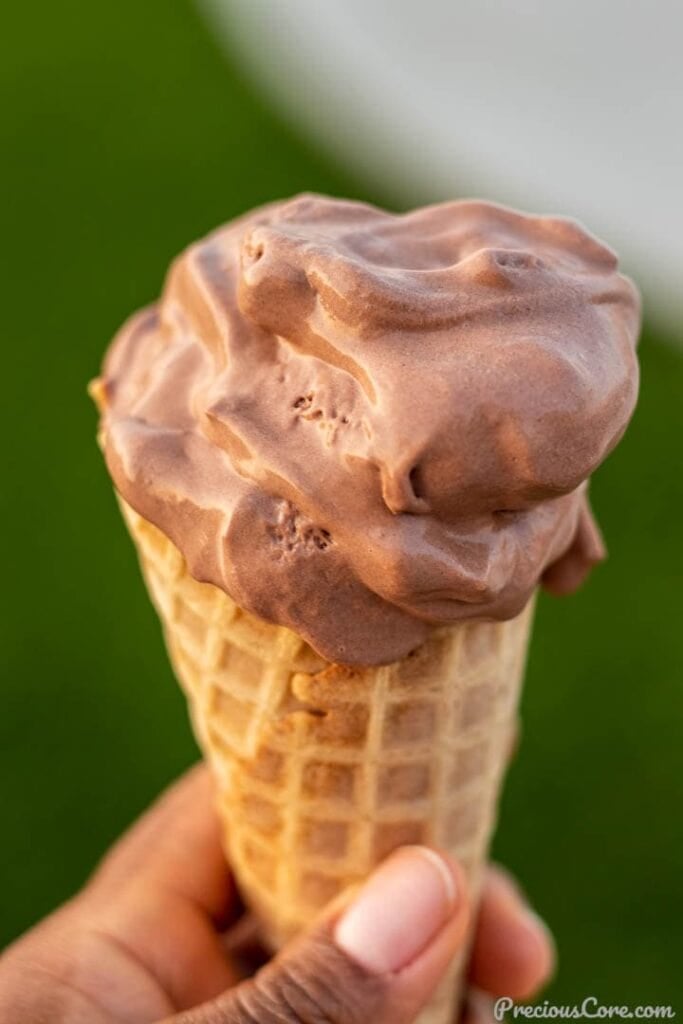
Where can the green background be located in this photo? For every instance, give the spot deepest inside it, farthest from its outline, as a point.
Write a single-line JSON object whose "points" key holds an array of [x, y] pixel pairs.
{"points": [[125, 135]]}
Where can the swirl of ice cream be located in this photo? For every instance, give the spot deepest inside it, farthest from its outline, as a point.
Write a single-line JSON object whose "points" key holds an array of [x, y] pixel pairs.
{"points": [[360, 424]]}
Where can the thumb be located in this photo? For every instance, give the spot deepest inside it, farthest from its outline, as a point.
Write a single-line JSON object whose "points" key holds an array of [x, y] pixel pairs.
{"points": [[378, 958]]}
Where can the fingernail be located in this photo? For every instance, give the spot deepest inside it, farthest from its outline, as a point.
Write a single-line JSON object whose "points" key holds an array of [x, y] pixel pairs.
{"points": [[399, 910], [518, 902], [544, 954], [547, 946], [538, 924]]}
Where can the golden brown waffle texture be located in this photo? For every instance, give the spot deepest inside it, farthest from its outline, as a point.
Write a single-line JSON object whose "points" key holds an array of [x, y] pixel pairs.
{"points": [[322, 769]]}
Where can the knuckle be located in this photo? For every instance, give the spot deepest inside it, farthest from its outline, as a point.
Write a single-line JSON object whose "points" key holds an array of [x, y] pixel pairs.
{"points": [[324, 987], [310, 998]]}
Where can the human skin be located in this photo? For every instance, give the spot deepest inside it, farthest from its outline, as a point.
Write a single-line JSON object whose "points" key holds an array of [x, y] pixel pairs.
{"points": [[156, 935]]}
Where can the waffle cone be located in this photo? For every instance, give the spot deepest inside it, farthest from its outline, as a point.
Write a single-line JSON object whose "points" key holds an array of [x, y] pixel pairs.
{"points": [[323, 769]]}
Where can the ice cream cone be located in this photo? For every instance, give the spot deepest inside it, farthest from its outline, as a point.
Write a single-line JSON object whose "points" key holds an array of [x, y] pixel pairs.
{"points": [[322, 769], [356, 424]]}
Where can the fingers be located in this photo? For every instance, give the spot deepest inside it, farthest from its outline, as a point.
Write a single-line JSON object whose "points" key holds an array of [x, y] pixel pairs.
{"points": [[378, 958], [513, 953], [244, 947], [163, 892], [478, 1009], [175, 847]]}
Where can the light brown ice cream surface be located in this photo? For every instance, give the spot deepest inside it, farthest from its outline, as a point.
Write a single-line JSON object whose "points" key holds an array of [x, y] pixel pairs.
{"points": [[360, 424]]}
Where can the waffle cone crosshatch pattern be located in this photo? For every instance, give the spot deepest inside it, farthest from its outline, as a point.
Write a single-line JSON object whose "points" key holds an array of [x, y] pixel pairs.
{"points": [[369, 430], [322, 770]]}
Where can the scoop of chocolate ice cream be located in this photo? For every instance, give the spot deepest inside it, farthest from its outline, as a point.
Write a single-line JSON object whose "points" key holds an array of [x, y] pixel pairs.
{"points": [[360, 424]]}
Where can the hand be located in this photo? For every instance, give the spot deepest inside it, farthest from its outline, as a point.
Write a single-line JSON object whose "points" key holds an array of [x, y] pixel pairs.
{"points": [[154, 936]]}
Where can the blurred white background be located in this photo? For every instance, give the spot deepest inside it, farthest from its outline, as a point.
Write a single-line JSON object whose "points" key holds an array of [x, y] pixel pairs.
{"points": [[554, 107]]}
